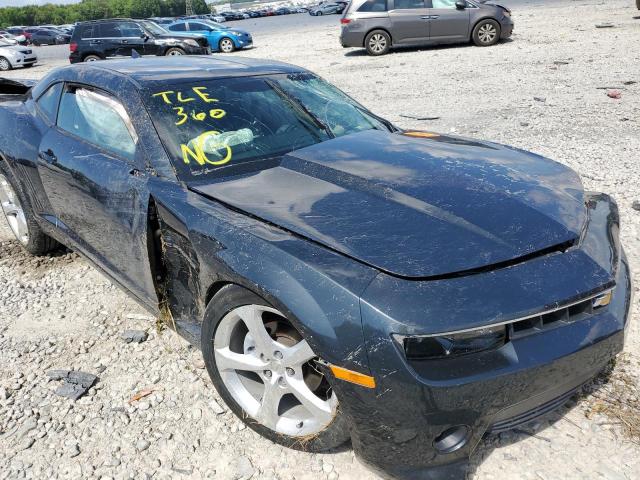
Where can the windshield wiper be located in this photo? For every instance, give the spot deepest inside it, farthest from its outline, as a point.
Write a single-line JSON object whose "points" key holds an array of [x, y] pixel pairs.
{"points": [[386, 123], [300, 107]]}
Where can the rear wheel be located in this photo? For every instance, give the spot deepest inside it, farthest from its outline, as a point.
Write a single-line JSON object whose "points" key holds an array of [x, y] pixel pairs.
{"points": [[267, 373], [21, 219], [226, 45], [377, 42], [91, 58], [4, 64], [486, 33], [174, 51]]}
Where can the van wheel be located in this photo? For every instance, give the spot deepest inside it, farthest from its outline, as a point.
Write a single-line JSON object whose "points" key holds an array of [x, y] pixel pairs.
{"points": [[377, 42], [173, 52], [486, 33], [4, 64], [91, 58]]}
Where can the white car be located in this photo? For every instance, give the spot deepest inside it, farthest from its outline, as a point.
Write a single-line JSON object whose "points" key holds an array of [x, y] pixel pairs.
{"points": [[219, 19], [12, 56], [12, 39]]}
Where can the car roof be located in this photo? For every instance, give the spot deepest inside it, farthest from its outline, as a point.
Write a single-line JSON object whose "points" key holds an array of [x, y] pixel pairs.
{"points": [[153, 71]]}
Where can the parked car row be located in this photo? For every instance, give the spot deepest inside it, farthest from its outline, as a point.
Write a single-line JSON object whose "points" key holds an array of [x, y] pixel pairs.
{"points": [[102, 39], [41, 34], [328, 8]]}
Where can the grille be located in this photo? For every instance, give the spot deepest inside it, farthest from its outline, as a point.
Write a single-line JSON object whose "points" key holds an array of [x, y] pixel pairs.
{"points": [[557, 318], [26, 52], [532, 414]]}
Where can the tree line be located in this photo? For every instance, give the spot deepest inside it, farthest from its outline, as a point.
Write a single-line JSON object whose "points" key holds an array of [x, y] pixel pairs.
{"points": [[95, 9]]}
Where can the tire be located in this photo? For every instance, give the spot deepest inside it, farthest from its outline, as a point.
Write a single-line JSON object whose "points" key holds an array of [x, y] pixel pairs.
{"points": [[486, 33], [5, 64], [225, 333], [319, 13], [377, 42], [20, 217], [174, 52], [91, 58], [226, 45]]}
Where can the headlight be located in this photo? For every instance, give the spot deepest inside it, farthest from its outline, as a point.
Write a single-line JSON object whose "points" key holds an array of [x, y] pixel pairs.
{"points": [[191, 42], [454, 344], [239, 34], [507, 13]]}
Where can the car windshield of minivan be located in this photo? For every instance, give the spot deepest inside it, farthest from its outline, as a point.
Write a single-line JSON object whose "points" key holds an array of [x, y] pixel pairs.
{"points": [[210, 124]]}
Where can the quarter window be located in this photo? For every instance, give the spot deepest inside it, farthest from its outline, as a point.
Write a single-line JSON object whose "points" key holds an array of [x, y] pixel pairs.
{"points": [[408, 4], [87, 31], [373, 6], [97, 119], [48, 101], [197, 26], [178, 27]]}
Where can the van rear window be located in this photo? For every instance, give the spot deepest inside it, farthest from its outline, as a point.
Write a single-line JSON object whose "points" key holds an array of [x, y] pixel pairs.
{"points": [[373, 6]]}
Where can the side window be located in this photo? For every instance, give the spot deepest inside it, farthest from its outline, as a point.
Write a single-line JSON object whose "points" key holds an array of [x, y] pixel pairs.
{"points": [[408, 4], [373, 6], [197, 26], [178, 27], [97, 119], [109, 30], [48, 101], [444, 4], [131, 30], [87, 31]]}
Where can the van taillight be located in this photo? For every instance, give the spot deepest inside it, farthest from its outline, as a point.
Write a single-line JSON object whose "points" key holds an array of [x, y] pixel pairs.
{"points": [[344, 21], [73, 46]]}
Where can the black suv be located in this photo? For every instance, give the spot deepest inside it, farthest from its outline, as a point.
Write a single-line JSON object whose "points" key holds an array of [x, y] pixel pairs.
{"points": [[100, 39]]}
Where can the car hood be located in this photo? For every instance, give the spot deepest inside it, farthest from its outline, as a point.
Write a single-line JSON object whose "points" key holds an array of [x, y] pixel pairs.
{"points": [[415, 207]]}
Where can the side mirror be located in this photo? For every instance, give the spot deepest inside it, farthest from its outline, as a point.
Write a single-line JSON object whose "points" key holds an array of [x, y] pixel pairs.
{"points": [[461, 5]]}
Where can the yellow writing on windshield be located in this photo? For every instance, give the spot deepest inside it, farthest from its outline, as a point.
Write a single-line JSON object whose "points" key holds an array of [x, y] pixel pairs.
{"points": [[197, 152], [183, 97], [173, 97]]}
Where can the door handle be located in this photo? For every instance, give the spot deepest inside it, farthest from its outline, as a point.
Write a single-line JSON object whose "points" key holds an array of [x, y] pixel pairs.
{"points": [[426, 17], [48, 156], [433, 17], [125, 41]]}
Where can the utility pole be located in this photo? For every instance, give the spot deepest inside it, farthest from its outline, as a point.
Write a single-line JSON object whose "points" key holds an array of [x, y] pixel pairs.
{"points": [[189, 6]]}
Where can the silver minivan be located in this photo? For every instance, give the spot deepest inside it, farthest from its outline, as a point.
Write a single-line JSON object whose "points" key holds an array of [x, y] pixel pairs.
{"points": [[379, 25]]}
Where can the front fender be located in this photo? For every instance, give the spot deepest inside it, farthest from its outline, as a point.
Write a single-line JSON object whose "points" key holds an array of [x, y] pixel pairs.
{"points": [[317, 289]]}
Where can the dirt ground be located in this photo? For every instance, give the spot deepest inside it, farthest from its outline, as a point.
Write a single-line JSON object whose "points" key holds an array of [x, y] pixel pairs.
{"points": [[545, 90]]}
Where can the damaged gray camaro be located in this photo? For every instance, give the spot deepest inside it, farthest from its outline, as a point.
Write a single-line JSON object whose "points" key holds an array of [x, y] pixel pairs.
{"points": [[345, 279]]}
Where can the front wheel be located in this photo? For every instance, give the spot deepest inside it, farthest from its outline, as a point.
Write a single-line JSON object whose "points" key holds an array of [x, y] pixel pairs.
{"points": [[486, 33], [377, 42], [21, 219], [4, 64], [267, 373], [226, 45], [174, 51]]}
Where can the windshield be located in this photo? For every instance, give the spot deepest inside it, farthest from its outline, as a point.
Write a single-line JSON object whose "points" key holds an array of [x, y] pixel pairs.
{"points": [[210, 124], [154, 28]]}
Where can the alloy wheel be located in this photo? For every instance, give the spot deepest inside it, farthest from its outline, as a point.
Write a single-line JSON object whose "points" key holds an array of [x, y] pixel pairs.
{"points": [[226, 45], [271, 372], [487, 33], [13, 211], [377, 43], [4, 64], [174, 53]]}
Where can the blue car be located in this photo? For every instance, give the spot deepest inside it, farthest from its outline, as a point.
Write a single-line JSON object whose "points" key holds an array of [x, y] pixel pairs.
{"points": [[221, 38]]}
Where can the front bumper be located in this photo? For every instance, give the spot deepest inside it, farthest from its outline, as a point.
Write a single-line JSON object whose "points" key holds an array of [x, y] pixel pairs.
{"points": [[22, 59], [506, 27], [395, 425], [244, 41]]}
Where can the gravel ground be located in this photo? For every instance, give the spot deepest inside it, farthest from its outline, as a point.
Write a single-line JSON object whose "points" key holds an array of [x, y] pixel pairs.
{"points": [[541, 91]]}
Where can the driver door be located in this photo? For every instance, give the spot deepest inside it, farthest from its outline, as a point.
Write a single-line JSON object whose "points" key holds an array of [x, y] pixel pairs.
{"points": [[447, 22], [91, 168]]}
